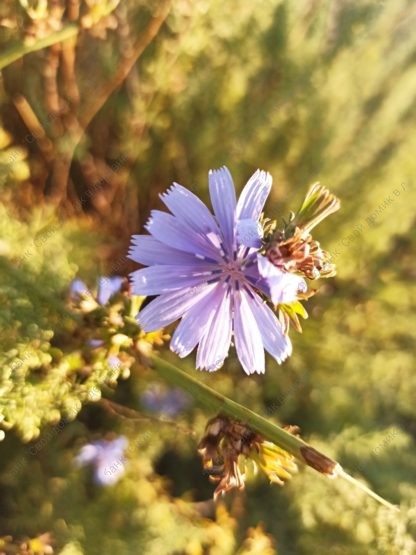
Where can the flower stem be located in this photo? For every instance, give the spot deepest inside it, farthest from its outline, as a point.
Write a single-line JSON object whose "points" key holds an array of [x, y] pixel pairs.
{"points": [[212, 400], [217, 402], [20, 49]]}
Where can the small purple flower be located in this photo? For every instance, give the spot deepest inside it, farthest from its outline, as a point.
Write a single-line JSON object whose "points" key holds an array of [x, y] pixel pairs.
{"points": [[95, 343], [170, 402], [78, 289], [114, 361], [107, 459], [107, 287], [208, 271]]}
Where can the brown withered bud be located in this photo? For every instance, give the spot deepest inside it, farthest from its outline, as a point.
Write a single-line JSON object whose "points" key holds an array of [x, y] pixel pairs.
{"points": [[319, 461]]}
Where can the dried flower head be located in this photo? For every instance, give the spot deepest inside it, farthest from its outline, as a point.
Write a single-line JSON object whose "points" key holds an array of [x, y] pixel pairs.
{"points": [[293, 249], [300, 254], [229, 448]]}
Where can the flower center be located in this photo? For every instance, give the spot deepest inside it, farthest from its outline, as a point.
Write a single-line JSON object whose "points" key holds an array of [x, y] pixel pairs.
{"points": [[232, 270]]}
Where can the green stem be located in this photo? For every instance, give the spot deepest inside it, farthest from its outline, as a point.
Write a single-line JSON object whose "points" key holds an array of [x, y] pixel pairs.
{"points": [[20, 49], [217, 402], [302, 451]]}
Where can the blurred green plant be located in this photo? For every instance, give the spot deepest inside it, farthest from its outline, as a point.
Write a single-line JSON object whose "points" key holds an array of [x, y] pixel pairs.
{"points": [[13, 165], [306, 90]]}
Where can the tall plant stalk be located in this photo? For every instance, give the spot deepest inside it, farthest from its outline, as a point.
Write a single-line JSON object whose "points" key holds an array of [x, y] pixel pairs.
{"points": [[216, 402]]}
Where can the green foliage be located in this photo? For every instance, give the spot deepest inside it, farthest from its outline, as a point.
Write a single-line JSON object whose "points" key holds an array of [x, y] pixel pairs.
{"points": [[35, 372], [310, 91]]}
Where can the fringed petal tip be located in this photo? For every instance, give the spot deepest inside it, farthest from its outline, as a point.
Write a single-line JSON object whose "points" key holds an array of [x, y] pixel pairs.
{"points": [[254, 195], [212, 367]]}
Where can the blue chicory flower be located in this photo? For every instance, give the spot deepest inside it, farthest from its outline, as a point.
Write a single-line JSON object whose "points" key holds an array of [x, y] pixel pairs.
{"points": [[107, 459], [208, 271], [107, 287], [78, 289], [159, 399]]}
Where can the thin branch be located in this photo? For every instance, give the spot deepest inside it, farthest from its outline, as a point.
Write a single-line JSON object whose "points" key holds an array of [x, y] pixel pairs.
{"points": [[34, 126], [138, 48], [73, 9], [60, 178], [50, 80], [68, 69], [131, 414]]}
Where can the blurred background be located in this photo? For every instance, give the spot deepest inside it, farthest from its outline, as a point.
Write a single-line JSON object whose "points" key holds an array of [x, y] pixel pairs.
{"points": [[103, 105]]}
